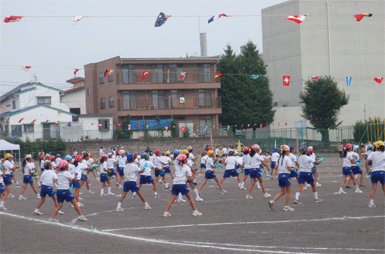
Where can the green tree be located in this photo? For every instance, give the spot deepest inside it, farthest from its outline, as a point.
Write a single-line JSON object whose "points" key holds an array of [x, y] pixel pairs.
{"points": [[322, 102], [359, 132], [244, 100]]}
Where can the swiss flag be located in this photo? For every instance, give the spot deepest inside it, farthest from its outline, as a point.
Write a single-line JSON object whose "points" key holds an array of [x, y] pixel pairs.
{"points": [[315, 77], [286, 80], [378, 79], [144, 74], [183, 129]]}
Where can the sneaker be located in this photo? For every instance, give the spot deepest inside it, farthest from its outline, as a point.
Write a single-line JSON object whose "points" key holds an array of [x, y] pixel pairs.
{"points": [[147, 207], [266, 195], [82, 218], [239, 185], [242, 188], [160, 180], [19, 185], [111, 194], [3, 208], [117, 185], [166, 214], [181, 200], [80, 198], [38, 213], [288, 209], [259, 188], [91, 192], [11, 195], [80, 193], [318, 184], [133, 196], [196, 213], [53, 220], [318, 200], [307, 185], [223, 192], [358, 191], [372, 206], [119, 209], [198, 199], [156, 196], [297, 202], [80, 204], [271, 204], [249, 197], [60, 212], [348, 187], [304, 188], [101, 194], [341, 192], [22, 198], [120, 187], [362, 185], [38, 195]]}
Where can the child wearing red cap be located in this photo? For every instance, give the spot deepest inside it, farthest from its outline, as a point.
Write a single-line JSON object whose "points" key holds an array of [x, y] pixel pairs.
{"points": [[348, 160]]}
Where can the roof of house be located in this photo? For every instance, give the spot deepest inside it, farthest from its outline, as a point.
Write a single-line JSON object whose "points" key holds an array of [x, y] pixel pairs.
{"points": [[74, 89], [7, 114], [75, 80], [20, 87], [192, 58], [95, 115]]}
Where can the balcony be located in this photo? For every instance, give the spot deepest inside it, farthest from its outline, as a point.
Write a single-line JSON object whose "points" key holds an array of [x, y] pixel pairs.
{"points": [[169, 86]]}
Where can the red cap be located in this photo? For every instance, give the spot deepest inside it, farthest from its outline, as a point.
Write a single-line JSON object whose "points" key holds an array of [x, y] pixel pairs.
{"points": [[157, 152], [203, 154], [245, 149], [209, 149]]}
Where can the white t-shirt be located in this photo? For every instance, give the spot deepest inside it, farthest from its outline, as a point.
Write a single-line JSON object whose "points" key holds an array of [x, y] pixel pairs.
{"points": [[190, 158], [216, 151], [275, 157], [71, 169], [63, 180], [347, 160], [122, 161], [165, 159], [42, 163], [283, 164], [255, 161], [209, 162], [246, 160], [230, 162], [1, 176], [29, 166], [378, 161], [47, 177], [130, 171], [110, 162], [224, 150], [356, 157], [305, 163], [181, 174], [158, 162], [239, 160], [293, 160], [58, 160], [147, 170], [101, 152], [79, 170], [204, 158], [103, 168], [8, 165]]}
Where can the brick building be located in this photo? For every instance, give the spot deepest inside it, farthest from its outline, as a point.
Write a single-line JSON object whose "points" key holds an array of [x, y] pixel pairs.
{"points": [[162, 92]]}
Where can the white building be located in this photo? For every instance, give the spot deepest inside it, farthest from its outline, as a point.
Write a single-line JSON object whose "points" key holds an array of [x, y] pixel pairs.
{"points": [[75, 98], [34, 111]]}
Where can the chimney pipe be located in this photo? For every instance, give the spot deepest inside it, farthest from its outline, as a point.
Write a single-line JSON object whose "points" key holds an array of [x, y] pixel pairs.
{"points": [[203, 40]]}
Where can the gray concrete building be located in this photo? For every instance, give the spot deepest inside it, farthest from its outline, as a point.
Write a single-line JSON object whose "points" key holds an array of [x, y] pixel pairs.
{"points": [[328, 42]]}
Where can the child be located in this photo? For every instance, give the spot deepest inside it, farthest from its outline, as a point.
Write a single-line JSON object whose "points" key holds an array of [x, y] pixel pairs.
{"points": [[284, 168], [314, 171], [104, 170], [274, 159], [356, 167], [378, 169], [182, 175], [204, 158], [294, 163], [130, 171], [224, 151], [348, 160], [145, 177], [64, 179], [230, 169], [9, 168], [3, 193], [210, 172], [167, 160], [190, 164], [158, 162], [48, 179], [79, 166], [29, 171], [305, 164], [12, 176], [121, 164], [87, 162], [246, 166], [110, 165]]}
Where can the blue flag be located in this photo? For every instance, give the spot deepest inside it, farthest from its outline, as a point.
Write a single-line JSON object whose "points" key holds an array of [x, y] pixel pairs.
{"points": [[69, 124], [348, 80], [255, 76], [162, 18]]}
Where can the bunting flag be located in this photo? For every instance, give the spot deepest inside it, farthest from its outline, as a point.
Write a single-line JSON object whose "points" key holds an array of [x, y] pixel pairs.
{"points": [[69, 124], [248, 126], [183, 129], [220, 126], [33, 122], [77, 19], [129, 127], [228, 127], [76, 71], [213, 18], [56, 123], [286, 124], [261, 125], [183, 75], [278, 124], [6, 119], [139, 126], [378, 79], [92, 124], [26, 68], [107, 73], [361, 16], [217, 75], [161, 19], [315, 77], [12, 19], [205, 129], [241, 126], [166, 128], [20, 120], [296, 18], [119, 124], [255, 76], [348, 81], [99, 125], [144, 74], [286, 80]]}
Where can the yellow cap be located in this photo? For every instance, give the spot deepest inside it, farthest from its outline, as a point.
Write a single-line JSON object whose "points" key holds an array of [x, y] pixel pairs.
{"points": [[8, 155], [168, 153], [185, 151], [378, 144], [209, 153]]}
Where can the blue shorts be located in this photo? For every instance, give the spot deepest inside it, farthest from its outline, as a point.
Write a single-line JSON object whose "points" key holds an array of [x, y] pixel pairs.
{"points": [[84, 177], [130, 186], [146, 179], [293, 174], [370, 163], [246, 172], [272, 165], [179, 188], [104, 178], [113, 172], [64, 195], [2, 189], [210, 174], [7, 179], [167, 170], [216, 156], [12, 174], [378, 176], [46, 190], [121, 171], [356, 170], [159, 173], [255, 173], [347, 171], [230, 172], [305, 177], [284, 180], [42, 169], [76, 184], [27, 179], [236, 166], [314, 169], [203, 165]]}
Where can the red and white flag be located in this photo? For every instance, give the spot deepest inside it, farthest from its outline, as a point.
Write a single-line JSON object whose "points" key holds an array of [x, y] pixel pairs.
{"points": [[99, 125], [378, 79], [26, 68], [296, 18], [12, 19], [144, 74], [166, 128], [33, 122], [56, 123], [183, 75], [261, 125], [77, 19], [361, 16], [129, 127], [183, 129], [286, 80], [315, 77], [21, 120], [286, 124]]}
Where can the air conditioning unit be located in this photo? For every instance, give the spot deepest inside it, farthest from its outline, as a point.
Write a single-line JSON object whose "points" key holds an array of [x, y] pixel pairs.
{"points": [[181, 100], [152, 107]]}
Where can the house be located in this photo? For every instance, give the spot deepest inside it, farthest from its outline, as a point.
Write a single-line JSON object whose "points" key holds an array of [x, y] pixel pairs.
{"points": [[75, 98]]}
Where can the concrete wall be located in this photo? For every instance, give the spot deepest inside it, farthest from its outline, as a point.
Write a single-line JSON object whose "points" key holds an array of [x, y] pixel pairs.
{"points": [[76, 99], [29, 98]]}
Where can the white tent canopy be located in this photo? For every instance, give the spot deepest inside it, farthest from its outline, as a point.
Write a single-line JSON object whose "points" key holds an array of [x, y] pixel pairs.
{"points": [[6, 146]]}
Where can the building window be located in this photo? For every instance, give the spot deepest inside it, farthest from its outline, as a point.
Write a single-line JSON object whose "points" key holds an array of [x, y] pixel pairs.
{"points": [[89, 91], [111, 102], [101, 78], [174, 73], [175, 98], [75, 111], [159, 100], [44, 100], [206, 125], [16, 130], [102, 103], [13, 104], [204, 98], [157, 74], [111, 77], [204, 73], [29, 128], [129, 100], [104, 124], [128, 74]]}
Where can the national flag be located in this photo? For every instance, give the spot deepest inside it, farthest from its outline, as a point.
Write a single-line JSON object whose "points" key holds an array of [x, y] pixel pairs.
{"points": [[77, 19], [69, 124], [99, 125], [255, 76], [26, 68], [183, 75], [378, 79], [214, 127], [107, 73], [296, 18], [286, 124], [217, 75], [21, 120], [92, 124], [33, 122], [286, 80], [56, 123], [139, 126], [166, 128], [144, 74], [12, 19], [205, 129], [348, 81], [217, 17], [241, 127], [220, 126], [129, 127], [161, 19], [6, 119], [261, 125], [183, 129], [76, 71], [248, 126], [119, 124], [361, 16], [315, 77]]}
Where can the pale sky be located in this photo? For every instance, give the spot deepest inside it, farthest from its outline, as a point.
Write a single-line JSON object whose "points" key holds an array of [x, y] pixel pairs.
{"points": [[54, 47]]}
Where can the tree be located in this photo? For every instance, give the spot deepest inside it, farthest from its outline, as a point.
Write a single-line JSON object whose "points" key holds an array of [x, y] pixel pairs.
{"points": [[322, 102], [244, 100], [359, 132]]}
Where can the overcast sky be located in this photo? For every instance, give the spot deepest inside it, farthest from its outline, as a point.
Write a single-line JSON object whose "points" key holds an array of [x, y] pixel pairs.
{"points": [[54, 47]]}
